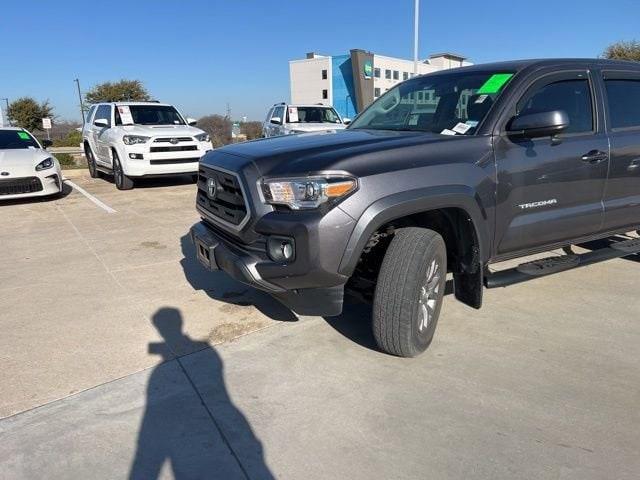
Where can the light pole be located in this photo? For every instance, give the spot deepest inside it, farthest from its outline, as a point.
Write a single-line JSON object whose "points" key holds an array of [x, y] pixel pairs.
{"points": [[416, 15], [81, 104], [6, 112]]}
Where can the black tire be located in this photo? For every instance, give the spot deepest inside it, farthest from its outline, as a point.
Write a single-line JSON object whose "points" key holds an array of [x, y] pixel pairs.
{"points": [[121, 180], [399, 305], [91, 162]]}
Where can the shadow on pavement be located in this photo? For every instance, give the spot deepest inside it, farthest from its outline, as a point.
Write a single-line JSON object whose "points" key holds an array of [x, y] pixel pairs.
{"points": [[220, 286], [180, 426], [606, 242]]}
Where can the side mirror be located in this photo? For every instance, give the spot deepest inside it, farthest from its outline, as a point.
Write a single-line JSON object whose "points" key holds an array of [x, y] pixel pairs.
{"points": [[276, 120], [191, 121], [101, 122], [540, 124], [346, 121], [47, 143]]}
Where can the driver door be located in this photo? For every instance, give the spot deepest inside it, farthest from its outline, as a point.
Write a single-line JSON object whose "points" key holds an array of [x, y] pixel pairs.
{"points": [[100, 136], [550, 190]]}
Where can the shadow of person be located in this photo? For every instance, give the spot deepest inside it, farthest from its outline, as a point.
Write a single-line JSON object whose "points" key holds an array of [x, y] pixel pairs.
{"points": [[220, 286], [180, 426]]}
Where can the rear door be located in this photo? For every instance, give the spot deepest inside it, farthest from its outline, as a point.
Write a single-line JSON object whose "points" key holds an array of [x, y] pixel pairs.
{"points": [[550, 189], [100, 135], [622, 197]]}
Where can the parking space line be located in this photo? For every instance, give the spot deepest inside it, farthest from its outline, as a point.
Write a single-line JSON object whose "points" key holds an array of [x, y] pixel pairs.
{"points": [[98, 202]]}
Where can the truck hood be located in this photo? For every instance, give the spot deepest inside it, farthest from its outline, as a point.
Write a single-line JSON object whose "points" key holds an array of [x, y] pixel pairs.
{"points": [[21, 162], [360, 152], [162, 130]]}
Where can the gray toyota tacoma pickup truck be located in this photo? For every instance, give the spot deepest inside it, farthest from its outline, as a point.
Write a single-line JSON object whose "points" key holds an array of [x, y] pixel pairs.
{"points": [[446, 173]]}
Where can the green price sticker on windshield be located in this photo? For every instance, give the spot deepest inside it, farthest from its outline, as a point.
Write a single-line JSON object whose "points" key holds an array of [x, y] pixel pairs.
{"points": [[495, 83], [24, 135]]}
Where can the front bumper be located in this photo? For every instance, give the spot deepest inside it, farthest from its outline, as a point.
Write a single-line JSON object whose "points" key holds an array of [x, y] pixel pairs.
{"points": [[161, 163], [50, 180], [216, 251]]}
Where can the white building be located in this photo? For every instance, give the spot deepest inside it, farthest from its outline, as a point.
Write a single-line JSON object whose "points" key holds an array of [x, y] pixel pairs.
{"points": [[350, 82]]}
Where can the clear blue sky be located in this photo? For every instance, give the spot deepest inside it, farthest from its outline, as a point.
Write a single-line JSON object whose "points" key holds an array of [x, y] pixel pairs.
{"points": [[202, 54]]}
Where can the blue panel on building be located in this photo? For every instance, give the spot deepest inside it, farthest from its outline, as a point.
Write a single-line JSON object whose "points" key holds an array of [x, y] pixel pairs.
{"points": [[344, 95]]}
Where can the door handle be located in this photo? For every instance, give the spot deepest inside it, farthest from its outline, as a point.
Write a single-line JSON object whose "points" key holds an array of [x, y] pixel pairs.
{"points": [[595, 157]]}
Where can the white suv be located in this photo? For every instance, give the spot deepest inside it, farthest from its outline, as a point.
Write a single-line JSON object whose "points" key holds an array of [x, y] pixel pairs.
{"points": [[138, 139], [284, 119]]}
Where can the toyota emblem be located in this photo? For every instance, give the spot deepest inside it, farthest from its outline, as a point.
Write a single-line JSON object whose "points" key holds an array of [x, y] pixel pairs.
{"points": [[212, 188], [174, 141]]}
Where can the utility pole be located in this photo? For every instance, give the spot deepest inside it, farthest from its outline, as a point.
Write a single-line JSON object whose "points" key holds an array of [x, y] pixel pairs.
{"points": [[228, 111], [81, 104], [6, 112], [415, 36]]}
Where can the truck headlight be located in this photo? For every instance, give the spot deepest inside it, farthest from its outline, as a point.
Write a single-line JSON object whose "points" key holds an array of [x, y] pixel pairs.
{"points": [[134, 139], [203, 137], [307, 192], [45, 164]]}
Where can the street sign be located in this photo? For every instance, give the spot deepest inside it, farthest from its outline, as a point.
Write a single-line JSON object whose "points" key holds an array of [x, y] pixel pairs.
{"points": [[46, 124]]}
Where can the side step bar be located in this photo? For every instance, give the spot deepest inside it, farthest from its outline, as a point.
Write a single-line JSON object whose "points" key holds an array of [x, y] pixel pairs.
{"points": [[548, 266]]}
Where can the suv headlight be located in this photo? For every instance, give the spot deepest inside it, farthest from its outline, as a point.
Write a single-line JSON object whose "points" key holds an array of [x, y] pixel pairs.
{"points": [[44, 164], [307, 192], [134, 139], [203, 137]]}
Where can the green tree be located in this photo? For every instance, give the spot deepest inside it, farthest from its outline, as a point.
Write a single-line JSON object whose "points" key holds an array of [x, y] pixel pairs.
{"points": [[623, 51], [27, 113], [121, 91]]}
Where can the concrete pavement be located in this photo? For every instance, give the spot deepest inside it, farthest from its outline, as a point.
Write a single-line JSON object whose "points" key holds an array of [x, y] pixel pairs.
{"points": [[145, 366]]}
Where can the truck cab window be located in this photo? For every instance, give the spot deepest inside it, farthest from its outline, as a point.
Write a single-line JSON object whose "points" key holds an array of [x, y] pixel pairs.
{"points": [[572, 96]]}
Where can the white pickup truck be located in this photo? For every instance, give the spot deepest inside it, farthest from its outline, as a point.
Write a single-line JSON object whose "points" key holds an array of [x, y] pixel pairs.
{"points": [[141, 139]]}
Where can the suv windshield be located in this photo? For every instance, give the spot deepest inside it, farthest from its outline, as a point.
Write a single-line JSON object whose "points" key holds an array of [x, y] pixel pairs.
{"points": [[152, 115], [16, 139], [312, 115], [449, 103]]}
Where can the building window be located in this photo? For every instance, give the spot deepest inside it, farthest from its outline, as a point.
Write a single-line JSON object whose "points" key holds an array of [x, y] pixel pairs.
{"points": [[396, 75], [376, 92], [405, 75], [324, 74], [376, 72], [325, 94], [387, 74]]}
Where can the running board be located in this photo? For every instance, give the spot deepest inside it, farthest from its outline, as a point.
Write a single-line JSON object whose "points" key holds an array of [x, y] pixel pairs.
{"points": [[548, 266]]}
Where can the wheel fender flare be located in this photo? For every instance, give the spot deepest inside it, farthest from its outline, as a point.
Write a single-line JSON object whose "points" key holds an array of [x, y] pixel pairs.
{"points": [[411, 202]]}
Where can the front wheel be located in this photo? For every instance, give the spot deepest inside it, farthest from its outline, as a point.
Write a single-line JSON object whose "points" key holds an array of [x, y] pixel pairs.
{"points": [[91, 163], [409, 292], [122, 181]]}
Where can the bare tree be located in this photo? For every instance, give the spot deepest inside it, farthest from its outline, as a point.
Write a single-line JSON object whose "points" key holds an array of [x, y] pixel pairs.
{"points": [[252, 130], [218, 128]]}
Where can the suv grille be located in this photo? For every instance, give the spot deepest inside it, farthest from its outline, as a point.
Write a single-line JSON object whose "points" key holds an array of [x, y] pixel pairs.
{"points": [[228, 203], [177, 148], [168, 139], [17, 186]]}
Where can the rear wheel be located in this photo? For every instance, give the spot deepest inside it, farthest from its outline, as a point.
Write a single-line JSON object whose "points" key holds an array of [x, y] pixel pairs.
{"points": [[409, 292], [91, 162], [122, 181]]}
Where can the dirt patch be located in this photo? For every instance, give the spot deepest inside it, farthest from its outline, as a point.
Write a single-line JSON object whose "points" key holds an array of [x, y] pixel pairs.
{"points": [[228, 331], [153, 245]]}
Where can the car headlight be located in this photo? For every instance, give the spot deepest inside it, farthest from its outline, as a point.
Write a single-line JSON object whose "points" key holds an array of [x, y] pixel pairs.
{"points": [[44, 164], [134, 139], [306, 192], [203, 137]]}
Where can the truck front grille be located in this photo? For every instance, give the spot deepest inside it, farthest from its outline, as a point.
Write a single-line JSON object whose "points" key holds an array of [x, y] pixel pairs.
{"points": [[227, 202], [173, 139], [18, 186], [178, 148]]}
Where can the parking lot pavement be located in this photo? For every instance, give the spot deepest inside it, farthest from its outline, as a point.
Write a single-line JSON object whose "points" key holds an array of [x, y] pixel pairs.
{"points": [[119, 346]]}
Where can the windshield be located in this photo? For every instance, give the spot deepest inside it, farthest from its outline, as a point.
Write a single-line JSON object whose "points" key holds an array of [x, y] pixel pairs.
{"points": [[16, 139], [151, 115], [449, 104], [312, 115]]}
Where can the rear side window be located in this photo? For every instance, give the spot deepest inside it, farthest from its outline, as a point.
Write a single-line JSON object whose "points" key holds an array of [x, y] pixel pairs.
{"points": [[624, 103], [572, 96]]}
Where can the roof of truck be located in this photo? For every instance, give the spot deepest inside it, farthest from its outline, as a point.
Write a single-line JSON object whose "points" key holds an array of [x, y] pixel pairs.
{"points": [[517, 65]]}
